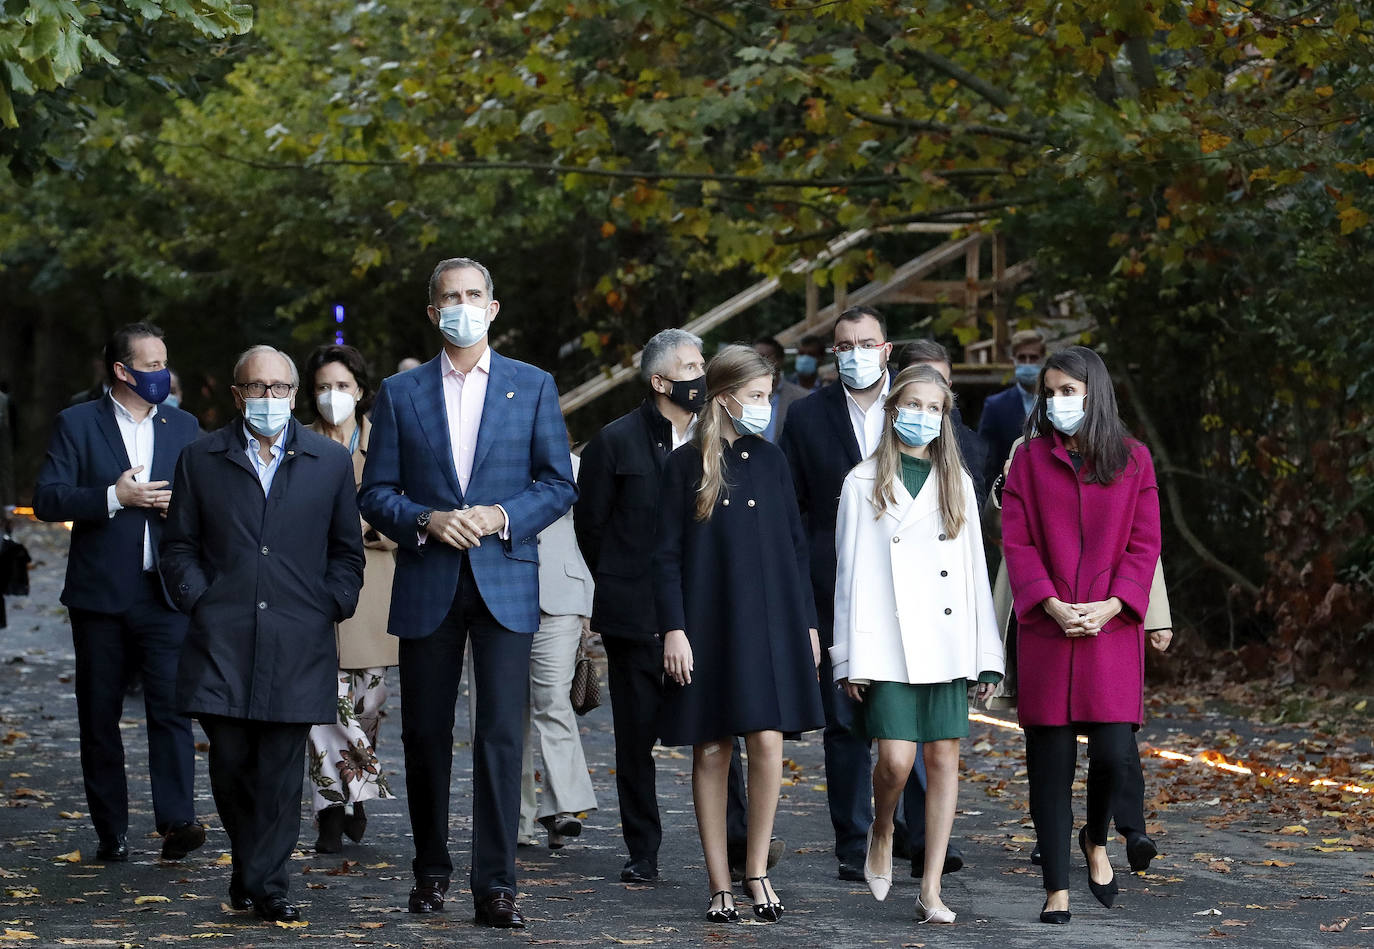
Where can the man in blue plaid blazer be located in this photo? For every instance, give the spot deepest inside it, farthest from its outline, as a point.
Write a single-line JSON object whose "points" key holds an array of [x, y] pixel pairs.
{"points": [[468, 462]]}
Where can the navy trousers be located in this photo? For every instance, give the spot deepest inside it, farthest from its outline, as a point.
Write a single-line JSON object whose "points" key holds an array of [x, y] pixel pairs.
{"points": [[147, 636], [848, 762], [431, 667]]}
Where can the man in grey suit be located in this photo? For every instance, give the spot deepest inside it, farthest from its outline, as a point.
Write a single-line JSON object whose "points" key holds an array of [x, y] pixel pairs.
{"points": [[784, 392]]}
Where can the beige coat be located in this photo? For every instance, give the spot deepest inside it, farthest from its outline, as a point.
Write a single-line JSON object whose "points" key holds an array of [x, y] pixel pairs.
{"points": [[363, 640]]}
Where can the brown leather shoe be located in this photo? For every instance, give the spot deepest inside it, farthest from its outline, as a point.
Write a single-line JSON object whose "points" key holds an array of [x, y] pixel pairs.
{"points": [[498, 911], [428, 897]]}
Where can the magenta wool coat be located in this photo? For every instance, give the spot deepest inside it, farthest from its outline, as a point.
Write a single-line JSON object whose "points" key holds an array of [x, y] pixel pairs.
{"points": [[1081, 543]]}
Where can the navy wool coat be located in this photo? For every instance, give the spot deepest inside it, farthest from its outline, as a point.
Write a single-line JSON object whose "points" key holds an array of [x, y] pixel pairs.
{"points": [[264, 579], [737, 584]]}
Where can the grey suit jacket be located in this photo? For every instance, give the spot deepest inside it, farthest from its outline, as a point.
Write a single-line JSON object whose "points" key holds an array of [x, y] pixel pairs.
{"points": [[565, 583], [788, 392]]}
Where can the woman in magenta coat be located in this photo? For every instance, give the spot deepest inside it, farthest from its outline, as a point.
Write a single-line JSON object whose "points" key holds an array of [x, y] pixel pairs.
{"points": [[1080, 522]]}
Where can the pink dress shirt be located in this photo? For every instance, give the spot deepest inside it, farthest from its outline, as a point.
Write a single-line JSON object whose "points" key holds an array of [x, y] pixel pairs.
{"points": [[464, 395]]}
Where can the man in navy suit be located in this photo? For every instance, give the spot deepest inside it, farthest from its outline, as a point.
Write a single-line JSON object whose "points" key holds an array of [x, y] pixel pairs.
{"points": [[108, 468], [468, 463], [1004, 413]]}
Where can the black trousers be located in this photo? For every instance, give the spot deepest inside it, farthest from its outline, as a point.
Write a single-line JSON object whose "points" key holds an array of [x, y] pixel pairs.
{"points": [[431, 668], [848, 760], [635, 676], [1128, 807], [148, 635], [256, 776], [1051, 754]]}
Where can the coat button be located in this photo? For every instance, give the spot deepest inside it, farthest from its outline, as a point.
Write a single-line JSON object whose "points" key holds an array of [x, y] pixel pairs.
{"points": [[942, 537], [751, 502], [744, 455], [264, 551], [944, 573], [896, 540], [948, 611], [262, 605], [725, 503]]}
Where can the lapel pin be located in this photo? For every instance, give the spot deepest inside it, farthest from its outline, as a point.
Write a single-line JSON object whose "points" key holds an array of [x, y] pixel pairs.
{"points": [[291, 451], [163, 421], [510, 395]]}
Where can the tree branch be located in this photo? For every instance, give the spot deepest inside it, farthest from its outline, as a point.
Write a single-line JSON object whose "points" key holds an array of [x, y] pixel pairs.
{"points": [[959, 74], [716, 22], [939, 214], [1167, 467], [927, 125]]}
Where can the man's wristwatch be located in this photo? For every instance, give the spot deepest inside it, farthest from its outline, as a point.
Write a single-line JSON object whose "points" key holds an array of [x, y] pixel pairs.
{"points": [[422, 521]]}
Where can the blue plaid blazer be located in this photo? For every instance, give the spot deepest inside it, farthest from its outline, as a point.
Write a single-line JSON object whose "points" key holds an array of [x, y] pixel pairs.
{"points": [[521, 462]]}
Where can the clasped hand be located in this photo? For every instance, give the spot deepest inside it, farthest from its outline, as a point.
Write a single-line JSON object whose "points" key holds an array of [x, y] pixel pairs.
{"points": [[1082, 619], [465, 529], [131, 493]]}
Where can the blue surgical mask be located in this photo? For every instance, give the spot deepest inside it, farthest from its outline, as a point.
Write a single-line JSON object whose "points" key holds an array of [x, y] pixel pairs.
{"points": [[463, 324], [1027, 374], [753, 419], [806, 365], [172, 402], [152, 386], [916, 428], [266, 416], [1066, 413], [860, 368]]}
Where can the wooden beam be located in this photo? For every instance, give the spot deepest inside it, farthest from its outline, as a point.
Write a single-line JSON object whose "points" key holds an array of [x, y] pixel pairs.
{"points": [[813, 297], [972, 261]]}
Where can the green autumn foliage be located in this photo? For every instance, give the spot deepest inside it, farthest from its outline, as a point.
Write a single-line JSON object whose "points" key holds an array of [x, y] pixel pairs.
{"points": [[1194, 174]]}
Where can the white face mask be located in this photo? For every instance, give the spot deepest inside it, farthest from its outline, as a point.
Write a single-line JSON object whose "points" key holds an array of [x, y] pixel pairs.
{"points": [[336, 406], [463, 324], [1066, 413]]}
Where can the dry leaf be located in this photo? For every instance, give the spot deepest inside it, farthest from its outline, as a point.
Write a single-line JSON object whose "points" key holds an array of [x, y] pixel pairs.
{"points": [[1338, 926], [1278, 863], [144, 900], [372, 925], [298, 924], [1293, 829], [70, 815], [18, 934], [225, 860], [73, 857]]}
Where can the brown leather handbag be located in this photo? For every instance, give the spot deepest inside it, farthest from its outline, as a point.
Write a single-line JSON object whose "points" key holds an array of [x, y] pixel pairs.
{"points": [[586, 686]]}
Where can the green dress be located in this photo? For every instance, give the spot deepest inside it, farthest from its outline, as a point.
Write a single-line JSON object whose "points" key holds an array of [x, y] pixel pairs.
{"points": [[922, 712]]}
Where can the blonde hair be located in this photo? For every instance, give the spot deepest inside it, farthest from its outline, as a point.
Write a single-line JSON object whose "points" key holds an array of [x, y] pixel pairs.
{"points": [[727, 371], [947, 464]]}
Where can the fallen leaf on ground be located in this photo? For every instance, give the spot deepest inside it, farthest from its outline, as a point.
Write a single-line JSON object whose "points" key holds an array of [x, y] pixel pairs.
{"points": [[143, 900], [1338, 926], [298, 924], [18, 934], [73, 857]]}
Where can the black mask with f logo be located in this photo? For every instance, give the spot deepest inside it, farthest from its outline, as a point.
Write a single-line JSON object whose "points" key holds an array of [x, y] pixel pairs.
{"points": [[688, 393]]}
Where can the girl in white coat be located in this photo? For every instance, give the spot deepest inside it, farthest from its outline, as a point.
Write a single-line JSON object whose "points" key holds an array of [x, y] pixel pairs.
{"points": [[913, 616]]}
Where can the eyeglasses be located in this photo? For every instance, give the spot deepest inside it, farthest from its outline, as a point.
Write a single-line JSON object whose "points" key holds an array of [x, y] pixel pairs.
{"points": [[849, 347], [256, 390]]}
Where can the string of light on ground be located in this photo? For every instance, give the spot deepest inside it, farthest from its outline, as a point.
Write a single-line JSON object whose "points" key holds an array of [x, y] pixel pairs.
{"points": [[1212, 759]]}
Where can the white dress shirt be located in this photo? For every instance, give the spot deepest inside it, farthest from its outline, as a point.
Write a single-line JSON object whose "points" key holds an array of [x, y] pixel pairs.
{"points": [[138, 444], [687, 433], [868, 424]]}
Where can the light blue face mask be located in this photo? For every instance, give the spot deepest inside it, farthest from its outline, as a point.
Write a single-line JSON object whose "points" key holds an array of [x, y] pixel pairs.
{"points": [[172, 401], [860, 368], [266, 416], [1066, 413], [1027, 374], [463, 324], [806, 365], [916, 428], [753, 419]]}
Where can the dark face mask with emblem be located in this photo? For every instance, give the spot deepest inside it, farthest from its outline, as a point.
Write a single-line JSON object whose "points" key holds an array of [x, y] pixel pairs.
{"points": [[690, 394]]}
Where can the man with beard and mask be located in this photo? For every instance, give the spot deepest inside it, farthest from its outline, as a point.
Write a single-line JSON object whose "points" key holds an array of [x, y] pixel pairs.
{"points": [[614, 517], [264, 551], [468, 463], [108, 469], [828, 433]]}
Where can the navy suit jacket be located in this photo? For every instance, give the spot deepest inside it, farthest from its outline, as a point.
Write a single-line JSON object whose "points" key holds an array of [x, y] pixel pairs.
{"points": [[521, 462], [1003, 419], [85, 456]]}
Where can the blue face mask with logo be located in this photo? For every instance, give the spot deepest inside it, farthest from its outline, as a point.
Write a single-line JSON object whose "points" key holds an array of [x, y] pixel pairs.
{"points": [[753, 419], [1066, 413], [916, 428], [152, 386], [806, 365], [1027, 374], [266, 416]]}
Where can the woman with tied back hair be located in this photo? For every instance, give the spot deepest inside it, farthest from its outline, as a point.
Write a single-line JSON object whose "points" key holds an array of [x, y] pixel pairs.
{"points": [[1080, 532], [738, 619], [913, 616]]}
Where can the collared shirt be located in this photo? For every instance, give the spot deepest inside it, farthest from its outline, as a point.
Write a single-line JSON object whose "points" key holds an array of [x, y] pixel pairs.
{"points": [[868, 424], [267, 470], [464, 395], [138, 444], [687, 433]]}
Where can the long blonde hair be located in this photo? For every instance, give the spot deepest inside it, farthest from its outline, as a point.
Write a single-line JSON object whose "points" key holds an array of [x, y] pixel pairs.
{"points": [[947, 464], [727, 371]]}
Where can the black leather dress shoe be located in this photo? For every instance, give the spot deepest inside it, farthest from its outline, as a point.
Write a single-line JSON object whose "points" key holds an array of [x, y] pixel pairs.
{"points": [[853, 872], [238, 899], [1140, 850], [498, 911], [181, 838], [954, 861], [1036, 859], [428, 897], [639, 871], [113, 849], [277, 909]]}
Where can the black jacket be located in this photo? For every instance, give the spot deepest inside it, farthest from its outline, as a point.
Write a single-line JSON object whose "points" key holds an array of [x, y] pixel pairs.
{"points": [[615, 517], [264, 580]]}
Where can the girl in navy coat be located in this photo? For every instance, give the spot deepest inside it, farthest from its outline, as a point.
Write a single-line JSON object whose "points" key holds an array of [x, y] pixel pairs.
{"points": [[738, 620]]}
